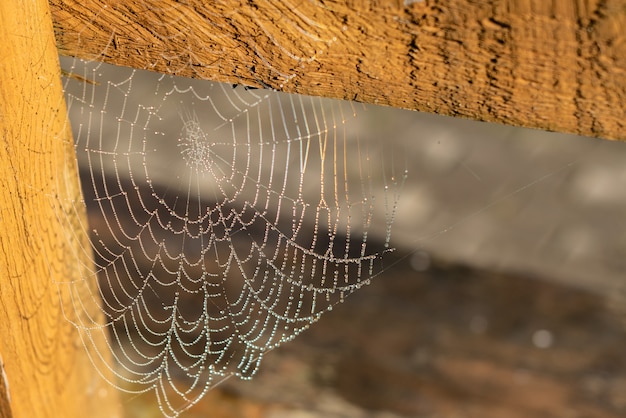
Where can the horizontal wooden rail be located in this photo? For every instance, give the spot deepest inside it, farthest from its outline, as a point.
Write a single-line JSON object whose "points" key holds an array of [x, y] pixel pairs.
{"points": [[556, 65]]}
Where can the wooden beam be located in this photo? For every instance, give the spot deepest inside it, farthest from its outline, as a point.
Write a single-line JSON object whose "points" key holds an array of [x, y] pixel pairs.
{"points": [[44, 370], [556, 65]]}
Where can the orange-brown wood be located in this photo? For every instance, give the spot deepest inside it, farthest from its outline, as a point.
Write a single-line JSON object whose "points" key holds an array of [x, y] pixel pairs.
{"points": [[44, 369], [556, 65]]}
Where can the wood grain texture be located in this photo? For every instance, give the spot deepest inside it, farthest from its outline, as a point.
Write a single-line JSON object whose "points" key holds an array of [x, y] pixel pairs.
{"points": [[45, 370], [556, 65]]}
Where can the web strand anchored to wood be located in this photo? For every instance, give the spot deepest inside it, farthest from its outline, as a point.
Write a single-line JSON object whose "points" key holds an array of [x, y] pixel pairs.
{"points": [[224, 221], [271, 41]]}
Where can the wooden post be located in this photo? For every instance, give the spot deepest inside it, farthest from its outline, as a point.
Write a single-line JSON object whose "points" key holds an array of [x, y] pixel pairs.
{"points": [[45, 370], [557, 65]]}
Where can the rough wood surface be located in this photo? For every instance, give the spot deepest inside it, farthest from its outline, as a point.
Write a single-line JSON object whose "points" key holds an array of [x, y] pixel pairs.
{"points": [[45, 371], [556, 65]]}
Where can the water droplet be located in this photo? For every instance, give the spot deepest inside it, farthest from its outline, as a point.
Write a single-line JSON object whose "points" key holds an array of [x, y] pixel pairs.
{"points": [[543, 338]]}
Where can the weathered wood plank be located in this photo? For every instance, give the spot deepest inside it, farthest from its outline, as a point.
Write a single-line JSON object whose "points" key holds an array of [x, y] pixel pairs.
{"points": [[45, 370], [556, 65]]}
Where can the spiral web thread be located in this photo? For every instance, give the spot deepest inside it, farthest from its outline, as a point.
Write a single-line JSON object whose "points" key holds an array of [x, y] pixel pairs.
{"points": [[224, 221]]}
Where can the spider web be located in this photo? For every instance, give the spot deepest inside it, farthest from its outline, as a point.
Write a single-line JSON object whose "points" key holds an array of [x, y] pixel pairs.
{"points": [[224, 221]]}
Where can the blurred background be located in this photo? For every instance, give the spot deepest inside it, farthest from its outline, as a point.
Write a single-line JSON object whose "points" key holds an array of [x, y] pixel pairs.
{"points": [[503, 299]]}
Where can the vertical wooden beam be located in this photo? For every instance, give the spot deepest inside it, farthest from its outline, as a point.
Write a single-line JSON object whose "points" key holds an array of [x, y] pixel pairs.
{"points": [[45, 371]]}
